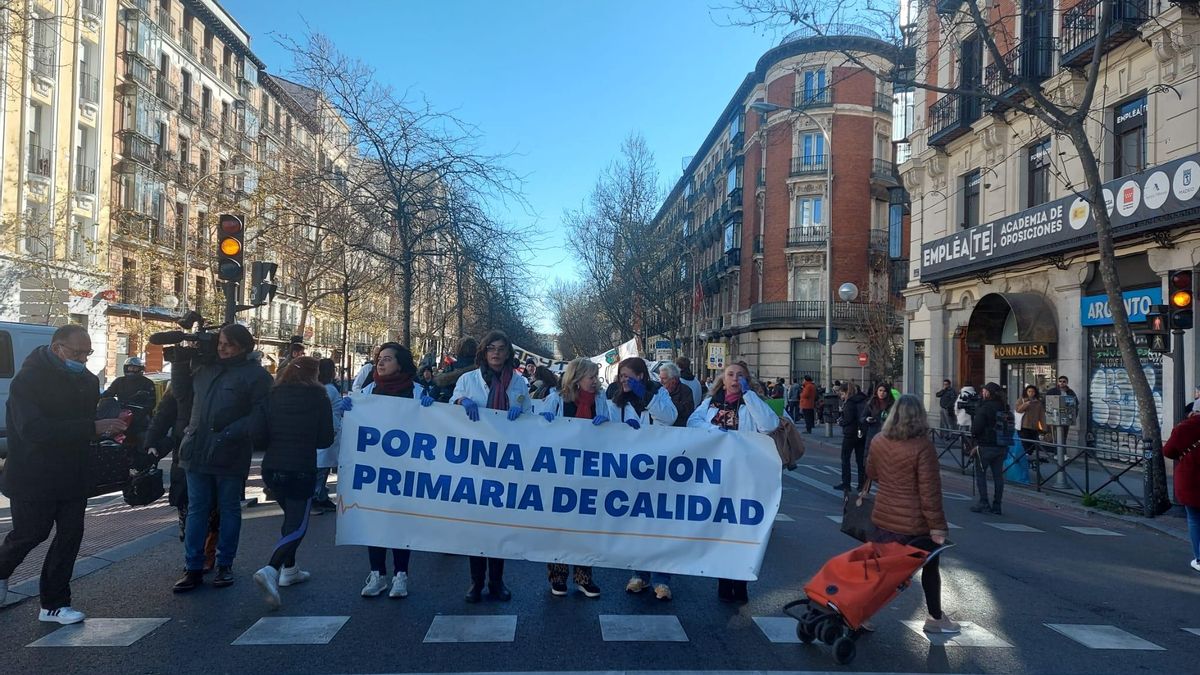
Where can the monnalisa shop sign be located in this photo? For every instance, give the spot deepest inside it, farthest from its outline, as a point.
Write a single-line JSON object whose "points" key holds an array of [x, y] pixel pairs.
{"points": [[1153, 199]]}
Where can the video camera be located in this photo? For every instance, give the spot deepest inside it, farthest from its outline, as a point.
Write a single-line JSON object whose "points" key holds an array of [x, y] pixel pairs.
{"points": [[969, 402], [202, 335]]}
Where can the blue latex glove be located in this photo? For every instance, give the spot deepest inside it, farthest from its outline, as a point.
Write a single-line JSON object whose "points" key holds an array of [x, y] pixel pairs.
{"points": [[426, 399], [637, 387], [549, 416], [514, 412], [744, 385], [599, 419], [343, 404], [471, 407], [634, 424]]}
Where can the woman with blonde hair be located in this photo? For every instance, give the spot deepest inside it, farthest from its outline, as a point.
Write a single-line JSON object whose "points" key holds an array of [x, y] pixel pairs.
{"points": [[908, 506], [576, 397]]}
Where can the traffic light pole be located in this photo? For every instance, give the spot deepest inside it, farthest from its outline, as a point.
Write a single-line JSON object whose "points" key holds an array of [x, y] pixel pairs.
{"points": [[231, 306], [1177, 371]]}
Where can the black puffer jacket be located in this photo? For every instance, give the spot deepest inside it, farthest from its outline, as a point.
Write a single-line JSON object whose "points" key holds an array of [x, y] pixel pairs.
{"points": [[227, 418], [299, 421], [51, 424], [983, 422], [126, 387], [854, 409]]}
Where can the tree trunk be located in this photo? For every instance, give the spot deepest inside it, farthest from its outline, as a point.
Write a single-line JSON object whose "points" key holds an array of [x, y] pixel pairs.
{"points": [[349, 363], [406, 297], [1157, 501]]}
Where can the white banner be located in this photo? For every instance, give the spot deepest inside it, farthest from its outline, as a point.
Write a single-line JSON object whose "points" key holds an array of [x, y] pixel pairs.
{"points": [[663, 499]]}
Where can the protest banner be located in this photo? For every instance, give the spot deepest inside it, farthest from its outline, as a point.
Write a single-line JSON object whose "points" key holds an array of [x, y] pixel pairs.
{"points": [[686, 501]]}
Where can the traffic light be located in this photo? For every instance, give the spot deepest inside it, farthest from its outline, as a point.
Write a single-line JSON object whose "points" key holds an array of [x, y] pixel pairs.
{"points": [[262, 282], [1158, 329], [1181, 299], [231, 232]]}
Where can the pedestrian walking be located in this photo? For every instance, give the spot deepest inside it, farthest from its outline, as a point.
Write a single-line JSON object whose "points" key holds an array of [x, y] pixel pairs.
{"points": [[575, 398], [393, 376], [1182, 447], [327, 457], [298, 421], [852, 422], [908, 506], [51, 424], [1033, 419], [808, 403], [497, 383], [689, 379], [733, 406], [228, 406], [990, 449], [876, 413], [946, 397]]}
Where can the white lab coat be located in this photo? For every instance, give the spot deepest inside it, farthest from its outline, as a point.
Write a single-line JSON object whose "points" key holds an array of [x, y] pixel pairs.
{"points": [[754, 415], [327, 458], [660, 410], [473, 387]]}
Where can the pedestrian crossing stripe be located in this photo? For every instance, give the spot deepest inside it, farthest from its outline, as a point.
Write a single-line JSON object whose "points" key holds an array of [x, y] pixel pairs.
{"points": [[971, 635], [1193, 631], [1102, 637], [292, 630], [1014, 527], [1093, 531], [784, 518], [472, 628]]}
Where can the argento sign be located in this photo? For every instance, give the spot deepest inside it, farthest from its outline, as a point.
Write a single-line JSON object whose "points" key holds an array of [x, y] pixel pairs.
{"points": [[1154, 199], [1024, 351]]}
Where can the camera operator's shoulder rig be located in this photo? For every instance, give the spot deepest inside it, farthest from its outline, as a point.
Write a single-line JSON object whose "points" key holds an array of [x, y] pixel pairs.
{"points": [[202, 336]]}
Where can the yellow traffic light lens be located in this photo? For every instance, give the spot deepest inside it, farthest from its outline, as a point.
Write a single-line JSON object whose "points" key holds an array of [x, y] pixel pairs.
{"points": [[231, 246], [1181, 299]]}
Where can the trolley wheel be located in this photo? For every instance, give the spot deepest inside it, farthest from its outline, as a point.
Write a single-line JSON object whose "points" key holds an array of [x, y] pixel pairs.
{"points": [[804, 632], [830, 630], [844, 650]]}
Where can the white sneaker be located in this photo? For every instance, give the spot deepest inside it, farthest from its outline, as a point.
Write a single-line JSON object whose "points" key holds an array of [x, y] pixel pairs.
{"points": [[267, 580], [636, 585], [399, 586], [942, 625], [290, 576], [1195, 566], [376, 584], [63, 615]]}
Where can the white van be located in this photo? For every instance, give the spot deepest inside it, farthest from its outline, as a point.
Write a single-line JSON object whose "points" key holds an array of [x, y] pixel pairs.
{"points": [[17, 340]]}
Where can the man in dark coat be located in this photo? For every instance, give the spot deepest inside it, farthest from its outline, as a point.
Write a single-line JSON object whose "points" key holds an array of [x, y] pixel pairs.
{"points": [[671, 377], [133, 382], [227, 420], [991, 450], [51, 424], [854, 410]]}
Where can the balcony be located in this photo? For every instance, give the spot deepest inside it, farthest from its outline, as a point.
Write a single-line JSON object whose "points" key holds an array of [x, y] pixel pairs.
{"points": [[137, 149], [85, 179], [39, 161], [809, 165], [208, 121], [811, 313], [89, 88], [884, 171], [1031, 62], [950, 117], [208, 60], [806, 236], [737, 141], [188, 108], [44, 65], [227, 74], [877, 241], [899, 275], [164, 236], [812, 98], [733, 258], [1081, 28], [167, 93], [949, 7], [735, 201], [163, 18], [884, 101], [91, 9], [187, 41], [137, 71]]}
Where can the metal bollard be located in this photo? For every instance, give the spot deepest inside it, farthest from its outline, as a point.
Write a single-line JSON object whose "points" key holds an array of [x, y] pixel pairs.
{"points": [[1060, 437]]}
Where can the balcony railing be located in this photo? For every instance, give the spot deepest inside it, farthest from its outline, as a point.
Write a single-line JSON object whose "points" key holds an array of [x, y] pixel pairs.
{"points": [[167, 93], [733, 258], [163, 236], [884, 101], [138, 149], [209, 122], [89, 88], [809, 165], [1081, 27], [948, 6], [884, 170], [877, 240], [806, 235], [208, 60], [188, 108], [812, 312], [39, 161], [951, 116], [91, 8], [1031, 61], [139, 72], [187, 41], [163, 18], [737, 141], [812, 98], [227, 74], [44, 64], [85, 179]]}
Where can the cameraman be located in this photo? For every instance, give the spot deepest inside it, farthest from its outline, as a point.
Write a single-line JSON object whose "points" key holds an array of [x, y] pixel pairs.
{"points": [[126, 387], [990, 453], [228, 408]]}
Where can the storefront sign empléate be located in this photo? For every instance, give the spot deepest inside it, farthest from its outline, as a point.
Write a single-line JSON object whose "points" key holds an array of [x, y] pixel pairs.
{"points": [[1156, 198], [1025, 351], [1095, 311]]}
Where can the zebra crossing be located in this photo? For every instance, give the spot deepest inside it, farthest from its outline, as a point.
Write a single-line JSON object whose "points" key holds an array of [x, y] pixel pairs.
{"points": [[503, 628]]}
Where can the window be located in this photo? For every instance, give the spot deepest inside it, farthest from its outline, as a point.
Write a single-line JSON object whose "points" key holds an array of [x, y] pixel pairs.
{"points": [[1129, 150], [883, 147], [180, 222], [917, 386], [735, 126], [203, 162], [808, 211], [806, 284], [970, 201], [812, 147], [201, 296], [1037, 185], [895, 230], [185, 150], [733, 236], [806, 359], [813, 86], [733, 179], [128, 280]]}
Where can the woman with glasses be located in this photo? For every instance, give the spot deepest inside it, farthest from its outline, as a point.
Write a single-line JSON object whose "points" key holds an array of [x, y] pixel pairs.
{"points": [[497, 385]]}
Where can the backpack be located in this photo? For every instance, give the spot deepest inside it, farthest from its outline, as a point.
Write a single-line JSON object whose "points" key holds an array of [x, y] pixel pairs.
{"points": [[1004, 427]]}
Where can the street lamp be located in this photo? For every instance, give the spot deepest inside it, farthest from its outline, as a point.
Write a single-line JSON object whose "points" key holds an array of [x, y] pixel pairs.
{"points": [[187, 254], [766, 109]]}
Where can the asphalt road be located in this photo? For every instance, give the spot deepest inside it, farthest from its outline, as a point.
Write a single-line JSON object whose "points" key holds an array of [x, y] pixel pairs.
{"points": [[1010, 584]]}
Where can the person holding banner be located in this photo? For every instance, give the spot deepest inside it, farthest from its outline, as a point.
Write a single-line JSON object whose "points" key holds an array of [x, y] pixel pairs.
{"points": [[497, 383], [393, 376], [639, 400], [575, 398], [732, 405]]}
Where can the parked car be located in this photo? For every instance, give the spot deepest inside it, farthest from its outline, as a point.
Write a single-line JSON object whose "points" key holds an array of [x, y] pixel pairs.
{"points": [[17, 340]]}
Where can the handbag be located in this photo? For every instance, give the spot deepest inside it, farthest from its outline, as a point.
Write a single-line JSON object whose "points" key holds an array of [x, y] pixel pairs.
{"points": [[144, 487], [788, 443], [856, 515]]}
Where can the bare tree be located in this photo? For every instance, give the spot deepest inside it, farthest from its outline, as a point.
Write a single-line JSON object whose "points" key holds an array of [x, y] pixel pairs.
{"points": [[582, 327], [1066, 113]]}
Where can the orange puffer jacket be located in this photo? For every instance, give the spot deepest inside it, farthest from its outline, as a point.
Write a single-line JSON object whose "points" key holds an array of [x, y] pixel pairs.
{"points": [[909, 498]]}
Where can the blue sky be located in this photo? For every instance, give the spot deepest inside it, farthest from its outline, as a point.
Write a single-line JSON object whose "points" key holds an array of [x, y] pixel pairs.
{"points": [[559, 83]]}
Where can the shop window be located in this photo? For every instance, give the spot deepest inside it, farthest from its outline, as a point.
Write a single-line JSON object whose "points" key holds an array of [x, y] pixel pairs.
{"points": [[1037, 172], [918, 368], [1129, 128], [970, 201]]}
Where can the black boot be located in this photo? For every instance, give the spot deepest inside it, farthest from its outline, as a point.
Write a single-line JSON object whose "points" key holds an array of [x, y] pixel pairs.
{"points": [[474, 593], [190, 580], [981, 507], [741, 591], [224, 576], [725, 590], [499, 591]]}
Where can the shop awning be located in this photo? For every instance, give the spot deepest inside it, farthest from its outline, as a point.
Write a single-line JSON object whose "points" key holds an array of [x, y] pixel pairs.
{"points": [[1033, 313]]}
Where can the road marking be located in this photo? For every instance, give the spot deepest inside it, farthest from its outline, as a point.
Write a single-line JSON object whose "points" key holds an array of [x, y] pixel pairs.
{"points": [[972, 635], [479, 628], [292, 630], [641, 628], [952, 526], [100, 633], [778, 629], [1193, 631], [836, 519], [1093, 531], [784, 518], [1095, 636], [957, 496], [812, 482], [822, 469], [1013, 527]]}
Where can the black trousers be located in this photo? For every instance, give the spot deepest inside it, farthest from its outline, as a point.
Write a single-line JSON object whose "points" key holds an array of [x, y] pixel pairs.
{"points": [[32, 521], [990, 458], [492, 567], [851, 443], [810, 418], [931, 574], [378, 558], [293, 490], [1028, 438]]}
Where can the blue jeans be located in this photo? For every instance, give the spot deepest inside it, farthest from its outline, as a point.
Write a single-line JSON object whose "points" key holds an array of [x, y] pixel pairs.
{"points": [[1193, 520], [201, 489], [655, 578]]}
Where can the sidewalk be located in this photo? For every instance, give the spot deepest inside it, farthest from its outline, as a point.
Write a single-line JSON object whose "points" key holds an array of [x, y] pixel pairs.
{"points": [[1171, 523]]}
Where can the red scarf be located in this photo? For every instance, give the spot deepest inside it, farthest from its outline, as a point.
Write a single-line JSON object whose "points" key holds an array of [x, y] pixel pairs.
{"points": [[727, 411], [585, 404], [396, 384], [498, 387]]}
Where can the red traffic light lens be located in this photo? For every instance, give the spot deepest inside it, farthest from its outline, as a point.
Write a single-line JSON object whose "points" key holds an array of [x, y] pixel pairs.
{"points": [[231, 225], [1182, 280]]}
